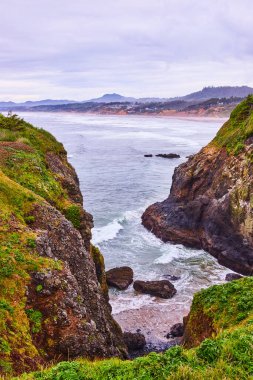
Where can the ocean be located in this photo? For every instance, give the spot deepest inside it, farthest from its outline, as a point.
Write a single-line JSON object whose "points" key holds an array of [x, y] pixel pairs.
{"points": [[118, 183]]}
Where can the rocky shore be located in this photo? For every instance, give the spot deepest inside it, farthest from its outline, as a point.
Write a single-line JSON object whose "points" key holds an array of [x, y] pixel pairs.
{"points": [[210, 201]]}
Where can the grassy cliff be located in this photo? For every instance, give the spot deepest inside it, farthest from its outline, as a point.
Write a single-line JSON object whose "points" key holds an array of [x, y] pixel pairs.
{"points": [[24, 180], [38, 190]]}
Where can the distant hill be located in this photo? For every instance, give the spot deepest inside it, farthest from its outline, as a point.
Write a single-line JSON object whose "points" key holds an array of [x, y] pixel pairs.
{"points": [[111, 98], [204, 94], [219, 92], [28, 104]]}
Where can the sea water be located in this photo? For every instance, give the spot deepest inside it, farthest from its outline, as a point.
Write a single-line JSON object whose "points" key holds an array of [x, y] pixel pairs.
{"points": [[118, 183]]}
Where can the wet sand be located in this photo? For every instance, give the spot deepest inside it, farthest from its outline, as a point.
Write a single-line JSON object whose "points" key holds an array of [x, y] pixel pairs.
{"points": [[152, 321]]}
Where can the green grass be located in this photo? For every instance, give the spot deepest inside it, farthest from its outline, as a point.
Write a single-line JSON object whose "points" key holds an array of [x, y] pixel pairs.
{"points": [[29, 170], [229, 356], [226, 305], [14, 128], [73, 214], [237, 129]]}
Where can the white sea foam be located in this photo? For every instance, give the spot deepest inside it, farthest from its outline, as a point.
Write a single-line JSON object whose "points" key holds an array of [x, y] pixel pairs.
{"points": [[130, 301], [111, 230], [108, 232], [173, 252]]}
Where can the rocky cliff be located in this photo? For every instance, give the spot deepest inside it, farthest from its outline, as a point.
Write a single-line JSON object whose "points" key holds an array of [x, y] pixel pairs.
{"points": [[53, 295], [211, 198]]}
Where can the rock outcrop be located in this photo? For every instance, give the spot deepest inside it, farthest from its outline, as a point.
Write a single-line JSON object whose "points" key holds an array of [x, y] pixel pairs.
{"points": [[211, 198], [53, 292]]}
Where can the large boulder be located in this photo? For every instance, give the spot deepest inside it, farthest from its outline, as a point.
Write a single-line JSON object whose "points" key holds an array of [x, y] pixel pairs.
{"points": [[162, 289], [134, 341], [119, 278]]}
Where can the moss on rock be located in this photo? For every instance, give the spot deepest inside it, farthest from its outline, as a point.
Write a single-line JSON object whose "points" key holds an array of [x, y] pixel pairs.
{"points": [[100, 269]]}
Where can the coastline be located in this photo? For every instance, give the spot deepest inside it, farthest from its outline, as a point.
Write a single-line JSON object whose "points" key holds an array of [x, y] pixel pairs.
{"points": [[178, 115]]}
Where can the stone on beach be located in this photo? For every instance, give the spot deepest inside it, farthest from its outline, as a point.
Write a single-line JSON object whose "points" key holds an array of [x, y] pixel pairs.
{"points": [[134, 341], [176, 330], [162, 289], [120, 277]]}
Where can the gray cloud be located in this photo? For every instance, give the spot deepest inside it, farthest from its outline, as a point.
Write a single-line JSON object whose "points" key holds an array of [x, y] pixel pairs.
{"points": [[82, 49]]}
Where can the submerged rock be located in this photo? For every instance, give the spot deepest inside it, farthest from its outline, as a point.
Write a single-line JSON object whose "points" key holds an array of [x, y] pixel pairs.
{"points": [[210, 201], [134, 341], [176, 330], [232, 276], [171, 277], [168, 155], [162, 289], [120, 278]]}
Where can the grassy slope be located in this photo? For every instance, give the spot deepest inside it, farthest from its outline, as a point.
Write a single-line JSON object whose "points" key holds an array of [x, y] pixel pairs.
{"points": [[25, 180], [237, 129], [226, 355]]}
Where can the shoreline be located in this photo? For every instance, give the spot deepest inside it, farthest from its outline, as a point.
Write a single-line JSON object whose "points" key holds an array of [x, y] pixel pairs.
{"points": [[154, 322], [176, 115]]}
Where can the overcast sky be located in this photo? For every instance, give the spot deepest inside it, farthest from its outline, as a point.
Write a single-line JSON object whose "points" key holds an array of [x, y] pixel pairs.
{"points": [[81, 49]]}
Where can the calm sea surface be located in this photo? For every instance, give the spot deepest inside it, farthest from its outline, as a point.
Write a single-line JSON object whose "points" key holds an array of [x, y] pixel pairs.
{"points": [[118, 183]]}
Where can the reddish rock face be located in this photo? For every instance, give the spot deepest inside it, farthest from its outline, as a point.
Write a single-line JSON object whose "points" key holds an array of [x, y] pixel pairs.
{"points": [[76, 315], [210, 207]]}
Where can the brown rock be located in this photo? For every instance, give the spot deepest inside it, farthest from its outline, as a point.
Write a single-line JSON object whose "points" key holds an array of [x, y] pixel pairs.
{"points": [[70, 299], [176, 330], [162, 289], [232, 276], [134, 341], [169, 155], [119, 278]]}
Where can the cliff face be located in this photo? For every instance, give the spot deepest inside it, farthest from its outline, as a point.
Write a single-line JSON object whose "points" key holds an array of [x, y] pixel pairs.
{"points": [[211, 198], [53, 296]]}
